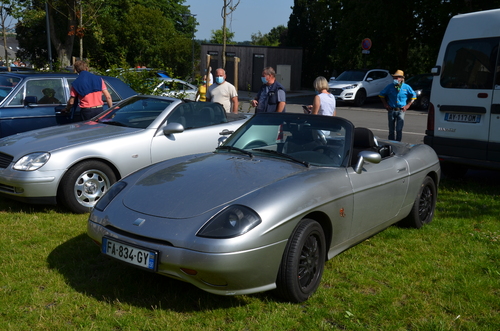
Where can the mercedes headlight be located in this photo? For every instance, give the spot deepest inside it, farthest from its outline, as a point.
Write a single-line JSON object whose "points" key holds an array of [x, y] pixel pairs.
{"points": [[231, 222], [32, 161]]}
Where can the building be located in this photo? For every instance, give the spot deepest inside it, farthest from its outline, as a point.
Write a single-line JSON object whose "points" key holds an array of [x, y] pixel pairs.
{"points": [[250, 60]]}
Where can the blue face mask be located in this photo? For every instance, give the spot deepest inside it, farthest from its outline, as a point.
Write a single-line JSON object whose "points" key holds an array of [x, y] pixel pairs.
{"points": [[219, 80], [264, 80], [396, 82]]}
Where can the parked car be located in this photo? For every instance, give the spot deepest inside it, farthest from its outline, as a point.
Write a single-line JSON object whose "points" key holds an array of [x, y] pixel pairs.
{"points": [[284, 193], [357, 85], [421, 84], [76, 164], [176, 88], [23, 106]]}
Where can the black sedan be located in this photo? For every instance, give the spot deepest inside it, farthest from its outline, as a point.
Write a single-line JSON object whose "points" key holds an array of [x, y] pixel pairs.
{"points": [[421, 84]]}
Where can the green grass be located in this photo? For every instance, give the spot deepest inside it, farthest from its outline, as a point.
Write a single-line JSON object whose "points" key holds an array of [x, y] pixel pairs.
{"points": [[445, 276]]}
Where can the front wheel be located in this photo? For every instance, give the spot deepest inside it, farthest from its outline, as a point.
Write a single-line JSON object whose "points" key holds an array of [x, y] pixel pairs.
{"points": [[422, 211], [360, 98], [84, 184], [302, 263]]}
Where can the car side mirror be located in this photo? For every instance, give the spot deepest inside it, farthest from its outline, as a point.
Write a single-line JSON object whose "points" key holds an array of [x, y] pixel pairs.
{"points": [[436, 70], [366, 156], [29, 100], [173, 128], [369, 79]]}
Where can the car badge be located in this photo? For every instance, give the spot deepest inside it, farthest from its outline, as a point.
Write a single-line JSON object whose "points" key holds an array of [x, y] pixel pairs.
{"points": [[139, 222]]}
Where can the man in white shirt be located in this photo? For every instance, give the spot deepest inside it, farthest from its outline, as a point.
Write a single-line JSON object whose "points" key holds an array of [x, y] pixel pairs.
{"points": [[223, 92]]}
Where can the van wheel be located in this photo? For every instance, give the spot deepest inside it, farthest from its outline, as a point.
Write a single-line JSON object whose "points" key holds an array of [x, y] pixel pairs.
{"points": [[360, 98]]}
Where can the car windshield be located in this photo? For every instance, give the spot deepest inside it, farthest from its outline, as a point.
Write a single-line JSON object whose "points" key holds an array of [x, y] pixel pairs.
{"points": [[420, 82], [352, 75], [7, 84], [136, 112], [308, 139]]}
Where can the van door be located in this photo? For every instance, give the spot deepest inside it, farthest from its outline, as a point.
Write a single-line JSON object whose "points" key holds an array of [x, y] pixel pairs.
{"points": [[494, 138]]}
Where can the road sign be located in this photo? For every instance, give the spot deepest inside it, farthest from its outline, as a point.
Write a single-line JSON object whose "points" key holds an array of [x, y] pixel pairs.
{"points": [[366, 44]]}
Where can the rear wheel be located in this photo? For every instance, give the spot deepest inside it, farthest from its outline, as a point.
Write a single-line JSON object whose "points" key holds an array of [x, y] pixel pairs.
{"points": [[422, 211], [302, 263], [84, 184], [360, 98]]}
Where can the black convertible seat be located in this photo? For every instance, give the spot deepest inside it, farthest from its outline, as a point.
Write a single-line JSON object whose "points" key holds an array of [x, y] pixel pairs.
{"points": [[363, 141]]}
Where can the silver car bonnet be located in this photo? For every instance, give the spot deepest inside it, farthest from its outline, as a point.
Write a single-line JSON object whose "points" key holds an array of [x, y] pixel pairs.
{"points": [[191, 188], [64, 136]]}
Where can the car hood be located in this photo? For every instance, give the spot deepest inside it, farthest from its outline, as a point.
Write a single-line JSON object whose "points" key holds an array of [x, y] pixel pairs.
{"points": [[342, 83], [57, 137], [200, 184]]}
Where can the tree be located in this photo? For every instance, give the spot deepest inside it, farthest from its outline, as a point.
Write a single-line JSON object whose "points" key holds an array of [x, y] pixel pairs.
{"points": [[276, 37], [227, 9], [8, 10], [217, 37], [108, 29]]}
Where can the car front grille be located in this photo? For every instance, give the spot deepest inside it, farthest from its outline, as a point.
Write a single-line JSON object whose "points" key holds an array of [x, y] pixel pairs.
{"points": [[5, 160], [335, 91]]}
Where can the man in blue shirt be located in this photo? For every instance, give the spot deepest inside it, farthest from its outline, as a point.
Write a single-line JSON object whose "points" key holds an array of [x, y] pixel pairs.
{"points": [[271, 97], [397, 98]]}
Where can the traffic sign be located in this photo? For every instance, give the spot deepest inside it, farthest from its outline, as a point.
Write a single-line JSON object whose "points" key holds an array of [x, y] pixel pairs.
{"points": [[366, 44]]}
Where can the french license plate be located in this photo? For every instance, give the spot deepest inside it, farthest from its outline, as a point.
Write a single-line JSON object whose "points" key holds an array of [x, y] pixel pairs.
{"points": [[132, 254], [464, 118]]}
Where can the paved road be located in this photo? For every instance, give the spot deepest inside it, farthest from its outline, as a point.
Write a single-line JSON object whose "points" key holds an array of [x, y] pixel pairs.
{"points": [[371, 115]]}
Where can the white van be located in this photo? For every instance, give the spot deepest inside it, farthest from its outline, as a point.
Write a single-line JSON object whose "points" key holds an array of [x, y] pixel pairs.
{"points": [[463, 124]]}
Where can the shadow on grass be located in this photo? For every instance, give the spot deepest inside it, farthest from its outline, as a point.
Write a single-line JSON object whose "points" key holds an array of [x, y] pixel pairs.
{"points": [[14, 206], [477, 194], [88, 271]]}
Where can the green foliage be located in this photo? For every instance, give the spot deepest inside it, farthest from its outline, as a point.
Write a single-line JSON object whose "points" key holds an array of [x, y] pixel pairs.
{"points": [[275, 37], [217, 37]]}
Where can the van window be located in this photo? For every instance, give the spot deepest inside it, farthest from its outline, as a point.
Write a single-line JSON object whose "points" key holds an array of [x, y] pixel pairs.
{"points": [[470, 64]]}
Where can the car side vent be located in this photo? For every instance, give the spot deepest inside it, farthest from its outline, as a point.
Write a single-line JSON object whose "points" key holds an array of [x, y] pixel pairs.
{"points": [[5, 160]]}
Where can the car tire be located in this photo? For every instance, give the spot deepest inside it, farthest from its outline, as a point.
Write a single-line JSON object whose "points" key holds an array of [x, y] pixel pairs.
{"points": [[424, 103], [84, 184], [303, 261], [423, 208], [360, 98]]}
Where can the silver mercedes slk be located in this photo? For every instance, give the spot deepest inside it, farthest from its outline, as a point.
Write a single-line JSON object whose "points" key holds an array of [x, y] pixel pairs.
{"points": [[76, 164], [266, 210]]}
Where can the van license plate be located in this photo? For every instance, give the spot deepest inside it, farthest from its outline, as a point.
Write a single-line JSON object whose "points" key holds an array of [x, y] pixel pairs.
{"points": [[464, 118], [131, 254]]}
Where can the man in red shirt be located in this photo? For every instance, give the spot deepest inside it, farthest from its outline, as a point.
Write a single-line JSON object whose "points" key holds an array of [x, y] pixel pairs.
{"points": [[89, 89]]}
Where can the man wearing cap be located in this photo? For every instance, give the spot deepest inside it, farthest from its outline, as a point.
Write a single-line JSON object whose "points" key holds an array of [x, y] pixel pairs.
{"points": [[397, 98]]}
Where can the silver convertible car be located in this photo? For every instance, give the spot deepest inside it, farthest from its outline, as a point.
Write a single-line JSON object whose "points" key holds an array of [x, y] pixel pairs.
{"points": [[283, 194], [76, 164]]}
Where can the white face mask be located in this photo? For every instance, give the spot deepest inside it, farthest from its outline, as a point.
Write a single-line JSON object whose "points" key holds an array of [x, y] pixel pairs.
{"points": [[396, 82]]}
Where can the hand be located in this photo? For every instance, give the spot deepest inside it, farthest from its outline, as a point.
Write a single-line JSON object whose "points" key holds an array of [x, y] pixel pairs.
{"points": [[254, 103]]}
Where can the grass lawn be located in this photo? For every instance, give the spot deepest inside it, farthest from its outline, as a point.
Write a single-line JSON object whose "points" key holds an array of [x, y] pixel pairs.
{"points": [[445, 276]]}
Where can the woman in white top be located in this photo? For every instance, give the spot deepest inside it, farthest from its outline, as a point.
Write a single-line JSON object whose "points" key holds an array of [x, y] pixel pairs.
{"points": [[324, 102]]}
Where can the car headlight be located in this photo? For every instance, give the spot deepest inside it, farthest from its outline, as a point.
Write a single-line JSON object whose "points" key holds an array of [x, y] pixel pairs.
{"points": [[348, 87], [418, 92], [113, 191], [32, 161], [231, 222]]}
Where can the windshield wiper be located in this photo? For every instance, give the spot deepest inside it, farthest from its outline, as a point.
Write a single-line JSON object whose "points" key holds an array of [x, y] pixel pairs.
{"points": [[113, 123], [231, 148], [270, 151]]}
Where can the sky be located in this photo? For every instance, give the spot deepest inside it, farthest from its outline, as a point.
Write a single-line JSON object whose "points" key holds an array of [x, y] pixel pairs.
{"points": [[250, 17]]}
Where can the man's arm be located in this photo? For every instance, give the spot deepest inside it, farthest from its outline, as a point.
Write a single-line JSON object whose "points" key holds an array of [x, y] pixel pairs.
{"points": [[109, 100], [70, 103], [234, 101]]}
